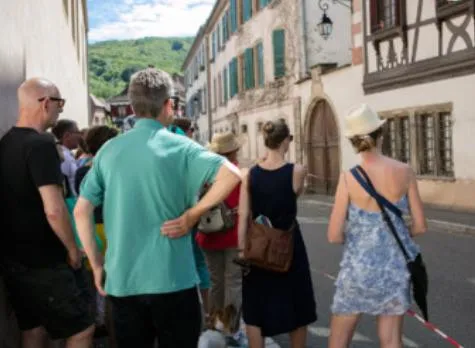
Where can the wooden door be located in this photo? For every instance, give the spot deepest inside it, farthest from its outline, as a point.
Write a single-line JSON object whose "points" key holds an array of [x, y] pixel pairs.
{"points": [[323, 149]]}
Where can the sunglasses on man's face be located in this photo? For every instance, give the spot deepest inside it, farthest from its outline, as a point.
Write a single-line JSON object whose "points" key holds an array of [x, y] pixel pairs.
{"points": [[175, 103], [60, 101]]}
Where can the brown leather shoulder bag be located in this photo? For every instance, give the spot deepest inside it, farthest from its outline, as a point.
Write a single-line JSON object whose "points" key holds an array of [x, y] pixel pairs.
{"points": [[267, 247]]}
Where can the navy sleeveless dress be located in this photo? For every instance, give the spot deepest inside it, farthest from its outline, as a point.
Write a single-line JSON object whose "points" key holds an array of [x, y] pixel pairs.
{"points": [[278, 302]]}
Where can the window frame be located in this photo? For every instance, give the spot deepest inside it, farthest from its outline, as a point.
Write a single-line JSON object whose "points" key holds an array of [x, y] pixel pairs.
{"points": [[441, 137], [278, 76], [379, 33]]}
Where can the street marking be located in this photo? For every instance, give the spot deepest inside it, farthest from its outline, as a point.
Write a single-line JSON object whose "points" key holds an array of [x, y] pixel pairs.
{"points": [[325, 332], [428, 325], [308, 220], [314, 202], [471, 280], [409, 343]]}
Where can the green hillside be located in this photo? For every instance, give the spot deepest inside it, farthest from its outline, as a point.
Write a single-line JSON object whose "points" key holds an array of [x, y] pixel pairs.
{"points": [[111, 63]]}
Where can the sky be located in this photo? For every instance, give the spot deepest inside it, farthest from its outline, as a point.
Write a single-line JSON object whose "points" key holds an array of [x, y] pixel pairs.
{"points": [[132, 19]]}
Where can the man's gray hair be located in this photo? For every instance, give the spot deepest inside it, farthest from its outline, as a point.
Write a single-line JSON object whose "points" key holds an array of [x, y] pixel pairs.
{"points": [[149, 89]]}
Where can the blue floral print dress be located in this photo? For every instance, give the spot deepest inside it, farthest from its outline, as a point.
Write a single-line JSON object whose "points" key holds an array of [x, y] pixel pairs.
{"points": [[373, 277]]}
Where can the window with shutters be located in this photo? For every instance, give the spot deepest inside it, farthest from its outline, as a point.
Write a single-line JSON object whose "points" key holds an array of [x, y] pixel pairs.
{"points": [[260, 4], [213, 46], [396, 139], [249, 72], [278, 41], [259, 64], [224, 26], [435, 139], [219, 42], [241, 73], [246, 10], [233, 15], [233, 77], [422, 139], [385, 14], [225, 85], [220, 90]]}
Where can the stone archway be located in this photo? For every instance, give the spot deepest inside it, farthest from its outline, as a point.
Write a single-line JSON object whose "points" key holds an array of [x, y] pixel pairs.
{"points": [[322, 148]]}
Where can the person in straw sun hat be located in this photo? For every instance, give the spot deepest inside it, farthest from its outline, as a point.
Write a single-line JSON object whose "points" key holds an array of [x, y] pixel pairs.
{"points": [[221, 249], [356, 223], [225, 144]]}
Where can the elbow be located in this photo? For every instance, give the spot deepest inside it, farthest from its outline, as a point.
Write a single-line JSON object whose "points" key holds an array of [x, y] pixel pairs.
{"points": [[79, 212], [335, 240], [417, 230]]}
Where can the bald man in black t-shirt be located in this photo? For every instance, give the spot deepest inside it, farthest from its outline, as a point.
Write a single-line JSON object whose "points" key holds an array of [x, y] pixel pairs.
{"points": [[42, 265]]}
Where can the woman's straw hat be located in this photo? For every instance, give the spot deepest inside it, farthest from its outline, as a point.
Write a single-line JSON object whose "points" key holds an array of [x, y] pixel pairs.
{"points": [[362, 120], [224, 143]]}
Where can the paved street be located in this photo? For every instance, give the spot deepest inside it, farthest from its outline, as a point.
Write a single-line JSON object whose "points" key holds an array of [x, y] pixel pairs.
{"points": [[450, 261]]}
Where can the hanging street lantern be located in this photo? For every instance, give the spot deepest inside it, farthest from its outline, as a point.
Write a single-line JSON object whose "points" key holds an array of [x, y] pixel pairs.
{"points": [[325, 27]]}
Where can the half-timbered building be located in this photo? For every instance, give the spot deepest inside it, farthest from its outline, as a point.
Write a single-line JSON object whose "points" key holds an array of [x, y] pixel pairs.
{"points": [[414, 62]]}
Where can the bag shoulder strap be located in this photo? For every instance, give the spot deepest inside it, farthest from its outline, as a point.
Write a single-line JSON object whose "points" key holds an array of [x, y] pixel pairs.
{"points": [[368, 186]]}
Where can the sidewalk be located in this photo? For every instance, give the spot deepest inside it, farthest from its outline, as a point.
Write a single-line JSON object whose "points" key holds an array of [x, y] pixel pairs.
{"points": [[437, 217]]}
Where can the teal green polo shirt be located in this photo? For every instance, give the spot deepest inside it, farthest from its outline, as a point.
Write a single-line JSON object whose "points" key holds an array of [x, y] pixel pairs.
{"points": [[143, 178]]}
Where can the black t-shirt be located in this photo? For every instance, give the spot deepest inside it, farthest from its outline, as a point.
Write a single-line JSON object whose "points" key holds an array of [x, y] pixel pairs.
{"points": [[28, 160]]}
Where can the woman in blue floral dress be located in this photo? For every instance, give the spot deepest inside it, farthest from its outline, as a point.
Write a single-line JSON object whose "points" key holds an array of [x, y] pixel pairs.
{"points": [[373, 277]]}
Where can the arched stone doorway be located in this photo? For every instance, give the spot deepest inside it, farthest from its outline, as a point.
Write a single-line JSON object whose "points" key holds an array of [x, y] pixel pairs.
{"points": [[323, 149]]}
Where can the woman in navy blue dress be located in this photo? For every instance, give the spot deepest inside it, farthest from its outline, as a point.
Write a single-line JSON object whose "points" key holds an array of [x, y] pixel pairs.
{"points": [[276, 303]]}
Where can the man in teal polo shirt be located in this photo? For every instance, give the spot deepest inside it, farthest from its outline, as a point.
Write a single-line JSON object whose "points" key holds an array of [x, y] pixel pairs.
{"points": [[147, 180]]}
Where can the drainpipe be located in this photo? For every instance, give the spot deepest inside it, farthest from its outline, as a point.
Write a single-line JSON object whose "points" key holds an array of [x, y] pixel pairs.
{"points": [[303, 6], [208, 89]]}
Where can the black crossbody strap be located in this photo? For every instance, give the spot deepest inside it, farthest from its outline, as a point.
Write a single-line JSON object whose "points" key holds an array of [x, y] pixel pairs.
{"points": [[368, 186]]}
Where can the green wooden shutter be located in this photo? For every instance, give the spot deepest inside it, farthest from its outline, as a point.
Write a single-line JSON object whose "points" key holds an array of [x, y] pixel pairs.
{"points": [[233, 12], [263, 3], [260, 64], [213, 45], [225, 84], [225, 27], [278, 40], [235, 74], [246, 10], [249, 80]]}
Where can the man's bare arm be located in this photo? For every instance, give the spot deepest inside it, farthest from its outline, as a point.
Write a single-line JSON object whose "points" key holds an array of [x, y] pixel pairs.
{"points": [[57, 214], [58, 218], [227, 178], [83, 214]]}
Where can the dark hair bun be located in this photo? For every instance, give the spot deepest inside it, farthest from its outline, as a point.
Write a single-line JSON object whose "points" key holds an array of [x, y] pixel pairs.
{"points": [[275, 132], [268, 127]]}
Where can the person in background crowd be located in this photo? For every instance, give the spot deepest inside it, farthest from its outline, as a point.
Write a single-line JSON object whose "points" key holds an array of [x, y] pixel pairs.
{"points": [[182, 125], [373, 278], [68, 135], [95, 138], [222, 248], [147, 180], [276, 303], [82, 154], [42, 266]]}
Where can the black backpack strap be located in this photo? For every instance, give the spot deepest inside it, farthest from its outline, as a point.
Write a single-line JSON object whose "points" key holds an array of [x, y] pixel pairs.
{"points": [[382, 203]]}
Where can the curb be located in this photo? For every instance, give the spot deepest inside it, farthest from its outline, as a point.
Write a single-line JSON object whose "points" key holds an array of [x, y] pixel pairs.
{"points": [[451, 227]]}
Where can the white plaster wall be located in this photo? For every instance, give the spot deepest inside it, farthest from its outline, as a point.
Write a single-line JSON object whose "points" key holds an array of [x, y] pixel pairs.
{"points": [[343, 88], [258, 28], [37, 41], [337, 48]]}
